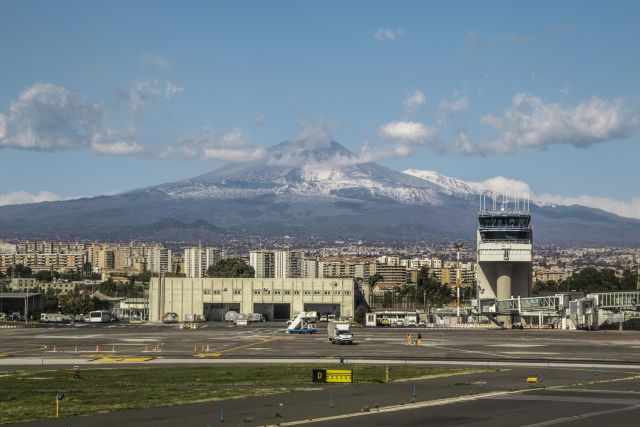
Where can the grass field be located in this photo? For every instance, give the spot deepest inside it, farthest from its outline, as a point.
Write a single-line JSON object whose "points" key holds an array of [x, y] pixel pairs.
{"points": [[30, 394]]}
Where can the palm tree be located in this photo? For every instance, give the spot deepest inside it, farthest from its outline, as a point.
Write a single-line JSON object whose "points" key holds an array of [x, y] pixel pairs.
{"points": [[373, 282]]}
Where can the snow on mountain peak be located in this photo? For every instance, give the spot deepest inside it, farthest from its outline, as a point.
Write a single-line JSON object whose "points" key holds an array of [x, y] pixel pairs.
{"points": [[497, 184]]}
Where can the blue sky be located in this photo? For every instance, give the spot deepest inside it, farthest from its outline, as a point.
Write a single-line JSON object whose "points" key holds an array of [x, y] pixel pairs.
{"points": [[545, 93]]}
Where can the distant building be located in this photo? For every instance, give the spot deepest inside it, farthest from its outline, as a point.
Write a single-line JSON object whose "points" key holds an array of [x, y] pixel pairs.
{"points": [[392, 276], [197, 260], [159, 260], [355, 268], [263, 263]]}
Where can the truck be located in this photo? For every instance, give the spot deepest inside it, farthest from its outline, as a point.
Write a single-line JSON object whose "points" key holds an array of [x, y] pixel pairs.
{"points": [[340, 332]]}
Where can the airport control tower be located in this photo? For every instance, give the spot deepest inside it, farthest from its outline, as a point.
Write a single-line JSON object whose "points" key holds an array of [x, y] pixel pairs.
{"points": [[504, 247]]}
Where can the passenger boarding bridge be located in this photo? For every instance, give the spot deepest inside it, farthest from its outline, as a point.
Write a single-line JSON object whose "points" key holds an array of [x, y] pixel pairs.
{"points": [[563, 310]]}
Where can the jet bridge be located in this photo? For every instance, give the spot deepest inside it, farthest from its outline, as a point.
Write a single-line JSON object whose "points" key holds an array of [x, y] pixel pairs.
{"points": [[563, 310]]}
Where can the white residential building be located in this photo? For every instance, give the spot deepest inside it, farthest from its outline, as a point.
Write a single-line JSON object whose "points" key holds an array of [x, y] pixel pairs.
{"points": [[159, 260], [197, 260]]}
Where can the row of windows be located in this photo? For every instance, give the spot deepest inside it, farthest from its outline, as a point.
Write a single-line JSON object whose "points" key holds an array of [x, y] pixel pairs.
{"points": [[265, 291]]}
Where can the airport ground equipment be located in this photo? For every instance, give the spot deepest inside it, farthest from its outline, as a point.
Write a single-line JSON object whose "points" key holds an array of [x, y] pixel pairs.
{"points": [[339, 332], [303, 323], [55, 318]]}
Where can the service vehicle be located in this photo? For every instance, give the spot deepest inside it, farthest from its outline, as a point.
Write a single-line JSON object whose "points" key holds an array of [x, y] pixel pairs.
{"points": [[99, 316], [339, 332]]}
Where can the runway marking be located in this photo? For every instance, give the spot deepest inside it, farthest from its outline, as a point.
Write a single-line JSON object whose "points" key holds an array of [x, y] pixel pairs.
{"points": [[406, 407], [603, 391], [586, 415], [111, 359], [462, 350], [517, 345], [219, 353], [66, 337], [531, 353], [571, 399], [452, 374]]}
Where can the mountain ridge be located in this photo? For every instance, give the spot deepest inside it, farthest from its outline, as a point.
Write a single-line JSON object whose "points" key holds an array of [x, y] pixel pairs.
{"points": [[306, 189]]}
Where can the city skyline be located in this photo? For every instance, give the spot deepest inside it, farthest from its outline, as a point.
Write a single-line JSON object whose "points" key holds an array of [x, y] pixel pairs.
{"points": [[168, 93]]}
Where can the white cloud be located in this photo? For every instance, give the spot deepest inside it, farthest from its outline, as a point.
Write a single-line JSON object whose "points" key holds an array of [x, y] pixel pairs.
{"points": [[145, 92], [24, 197], [455, 104], [407, 132], [501, 185], [388, 34], [235, 154], [114, 143], [414, 101], [119, 148], [47, 117], [229, 146], [629, 209], [532, 123], [3, 127]]}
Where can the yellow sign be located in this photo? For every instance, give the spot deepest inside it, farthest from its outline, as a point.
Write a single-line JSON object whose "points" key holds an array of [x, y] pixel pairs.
{"points": [[339, 376], [532, 380]]}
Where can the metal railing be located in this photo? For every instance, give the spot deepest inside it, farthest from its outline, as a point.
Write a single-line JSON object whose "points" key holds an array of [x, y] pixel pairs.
{"points": [[617, 300]]}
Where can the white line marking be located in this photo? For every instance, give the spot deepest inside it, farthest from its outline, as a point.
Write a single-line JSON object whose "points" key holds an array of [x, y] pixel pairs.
{"points": [[406, 407], [582, 416]]}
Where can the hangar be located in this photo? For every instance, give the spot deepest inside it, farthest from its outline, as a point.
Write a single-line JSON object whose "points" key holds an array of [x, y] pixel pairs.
{"points": [[276, 299]]}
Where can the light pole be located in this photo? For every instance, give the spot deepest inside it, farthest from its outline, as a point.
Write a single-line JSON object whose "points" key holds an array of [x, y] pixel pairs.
{"points": [[637, 273], [458, 246]]}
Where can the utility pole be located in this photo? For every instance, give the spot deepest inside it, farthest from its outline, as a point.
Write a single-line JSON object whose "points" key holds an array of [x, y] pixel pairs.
{"points": [[458, 246], [637, 273]]}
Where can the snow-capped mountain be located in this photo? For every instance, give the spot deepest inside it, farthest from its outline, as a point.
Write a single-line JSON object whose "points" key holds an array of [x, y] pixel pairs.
{"points": [[446, 184], [299, 170], [303, 189]]}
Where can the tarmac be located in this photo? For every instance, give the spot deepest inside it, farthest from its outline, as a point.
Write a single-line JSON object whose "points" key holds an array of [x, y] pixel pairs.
{"points": [[563, 397], [87, 342], [586, 377]]}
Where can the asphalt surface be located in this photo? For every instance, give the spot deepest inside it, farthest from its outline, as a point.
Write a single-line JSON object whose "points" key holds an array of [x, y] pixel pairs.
{"points": [[270, 341], [498, 398], [580, 393]]}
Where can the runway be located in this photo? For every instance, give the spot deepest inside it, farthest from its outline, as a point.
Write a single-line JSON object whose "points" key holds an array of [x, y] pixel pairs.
{"points": [[563, 397]]}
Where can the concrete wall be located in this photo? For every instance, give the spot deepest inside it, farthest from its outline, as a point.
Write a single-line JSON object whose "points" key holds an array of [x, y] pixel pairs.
{"points": [[490, 272], [185, 296]]}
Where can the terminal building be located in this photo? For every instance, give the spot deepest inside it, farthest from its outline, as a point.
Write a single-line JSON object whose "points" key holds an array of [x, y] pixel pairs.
{"points": [[275, 299]]}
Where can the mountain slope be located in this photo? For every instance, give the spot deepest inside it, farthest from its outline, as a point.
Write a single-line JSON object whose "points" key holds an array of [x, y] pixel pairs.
{"points": [[302, 189]]}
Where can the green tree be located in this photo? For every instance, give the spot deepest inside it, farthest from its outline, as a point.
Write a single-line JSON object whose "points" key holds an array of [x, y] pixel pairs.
{"points": [[591, 279], [360, 314], [546, 288], [433, 292], [19, 270], [373, 282], [231, 267], [76, 303]]}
